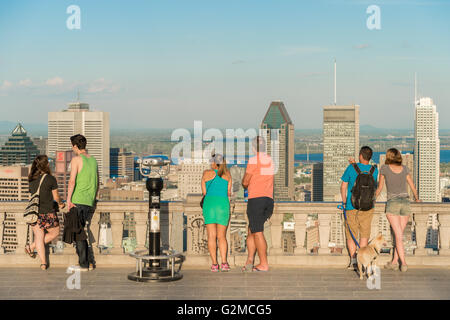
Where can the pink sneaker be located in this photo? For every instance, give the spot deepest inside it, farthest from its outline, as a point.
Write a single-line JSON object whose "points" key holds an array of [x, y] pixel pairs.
{"points": [[215, 268], [225, 267]]}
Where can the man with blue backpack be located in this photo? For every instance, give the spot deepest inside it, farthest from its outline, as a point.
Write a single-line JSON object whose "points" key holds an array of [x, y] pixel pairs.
{"points": [[359, 183]]}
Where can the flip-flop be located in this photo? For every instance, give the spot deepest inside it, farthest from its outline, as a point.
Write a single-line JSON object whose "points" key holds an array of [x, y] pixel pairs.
{"points": [[28, 252], [259, 270], [247, 268]]}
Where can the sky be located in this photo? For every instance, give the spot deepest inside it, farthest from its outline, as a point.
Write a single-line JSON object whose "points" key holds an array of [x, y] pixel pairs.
{"points": [[164, 64]]}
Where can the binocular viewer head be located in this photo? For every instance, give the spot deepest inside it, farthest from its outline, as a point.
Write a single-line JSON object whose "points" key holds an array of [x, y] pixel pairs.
{"points": [[153, 162]]}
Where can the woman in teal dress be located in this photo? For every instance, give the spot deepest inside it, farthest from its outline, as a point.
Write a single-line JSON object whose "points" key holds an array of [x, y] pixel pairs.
{"points": [[216, 186]]}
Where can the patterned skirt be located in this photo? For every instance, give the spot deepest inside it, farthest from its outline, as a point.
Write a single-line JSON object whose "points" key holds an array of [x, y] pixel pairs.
{"points": [[48, 220]]}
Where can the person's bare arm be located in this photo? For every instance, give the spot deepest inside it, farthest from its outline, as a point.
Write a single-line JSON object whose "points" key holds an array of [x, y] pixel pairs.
{"points": [[73, 176], [204, 182], [246, 180], [230, 183], [56, 197], [98, 185], [344, 186], [380, 186], [413, 188]]}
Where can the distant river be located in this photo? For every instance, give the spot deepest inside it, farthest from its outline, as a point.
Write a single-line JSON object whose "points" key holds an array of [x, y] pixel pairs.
{"points": [[318, 157]]}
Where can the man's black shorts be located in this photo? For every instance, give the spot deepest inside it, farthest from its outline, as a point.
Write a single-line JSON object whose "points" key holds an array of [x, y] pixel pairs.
{"points": [[258, 211]]}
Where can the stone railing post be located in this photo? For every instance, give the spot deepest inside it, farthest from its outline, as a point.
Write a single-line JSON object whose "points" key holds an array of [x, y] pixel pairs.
{"points": [[300, 232], [197, 238], [21, 233], [2, 223], [141, 219], [421, 232], [176, 226], [324, 232], [444, 234], [117, 231], [276, 228], [93, 232]]}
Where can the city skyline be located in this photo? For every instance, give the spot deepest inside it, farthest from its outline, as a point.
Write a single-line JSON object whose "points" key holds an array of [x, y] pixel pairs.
{"points": [[178, 63]]}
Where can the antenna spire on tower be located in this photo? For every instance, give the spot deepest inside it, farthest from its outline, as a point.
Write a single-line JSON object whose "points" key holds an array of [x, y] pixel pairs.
{"points": [[334, 81], [415, 88]]}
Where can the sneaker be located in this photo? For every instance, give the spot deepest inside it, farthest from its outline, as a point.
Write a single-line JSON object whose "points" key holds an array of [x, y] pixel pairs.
{"points": [[224, 267], [215, 268], [91, 266], [403, 268], [77, 268]]}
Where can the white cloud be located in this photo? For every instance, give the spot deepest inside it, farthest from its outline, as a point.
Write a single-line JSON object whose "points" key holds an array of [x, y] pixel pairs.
{"points": [[102, 86], [57, 85], [6, 85], [362, 46], [25, 83], [56, 81], [295, 50]]}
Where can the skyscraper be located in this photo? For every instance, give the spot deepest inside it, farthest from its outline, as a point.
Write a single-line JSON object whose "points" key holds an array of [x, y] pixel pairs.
{"points": [[19, 149], [340, 141], [277, 118], [62, 171], [426, 150], [78, 119], [14, 183], [317, 182], [121, 163]]}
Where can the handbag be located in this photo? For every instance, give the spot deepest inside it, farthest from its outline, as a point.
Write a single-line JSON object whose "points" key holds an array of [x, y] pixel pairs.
{"points": [[32, 210], [203, 198]]}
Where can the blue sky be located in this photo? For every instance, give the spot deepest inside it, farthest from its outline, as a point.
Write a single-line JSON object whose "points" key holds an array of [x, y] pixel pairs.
{"points": [[167, 63]]}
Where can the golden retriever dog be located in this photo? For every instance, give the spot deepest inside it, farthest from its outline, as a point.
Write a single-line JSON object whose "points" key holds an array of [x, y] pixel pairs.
{"points": [[367, 256]]}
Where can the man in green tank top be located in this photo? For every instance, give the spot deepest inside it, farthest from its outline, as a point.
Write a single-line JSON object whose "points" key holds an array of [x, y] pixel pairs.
{"points": [[81, 196]]}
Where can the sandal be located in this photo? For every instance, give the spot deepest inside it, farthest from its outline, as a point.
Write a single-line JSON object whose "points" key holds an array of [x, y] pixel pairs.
{"points": [[28, 251], [45, 266], [247, 267], [391, 266]]}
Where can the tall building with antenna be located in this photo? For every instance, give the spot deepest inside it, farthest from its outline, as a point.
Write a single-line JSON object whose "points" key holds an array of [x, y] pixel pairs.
{"points": [[79, 119], [426, 150], [340, 141]]}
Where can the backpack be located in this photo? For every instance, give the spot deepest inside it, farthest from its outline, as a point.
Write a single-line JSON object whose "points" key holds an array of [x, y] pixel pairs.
{"points": [[363, 191]]}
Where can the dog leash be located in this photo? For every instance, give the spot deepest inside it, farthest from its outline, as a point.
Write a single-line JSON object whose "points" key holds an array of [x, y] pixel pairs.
{"points": [[342, 207]]}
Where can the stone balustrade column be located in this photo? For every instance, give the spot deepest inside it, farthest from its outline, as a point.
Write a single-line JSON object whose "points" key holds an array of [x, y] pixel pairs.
{"points": [[374, 229], [324, 232], [300, 232], [117, 231], [141, 219], [421, 233], [21, 233], [444, 234], [94, 234], [276, 228], [2, 219]]}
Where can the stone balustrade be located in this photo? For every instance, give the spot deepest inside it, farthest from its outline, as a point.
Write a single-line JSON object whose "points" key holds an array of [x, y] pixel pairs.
{"points": [[182, 229]]}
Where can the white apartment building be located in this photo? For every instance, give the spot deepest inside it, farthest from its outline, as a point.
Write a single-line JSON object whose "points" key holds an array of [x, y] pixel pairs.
{"points": [[78, 119], [190, 174], [426, 150]]}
